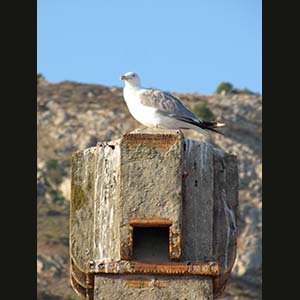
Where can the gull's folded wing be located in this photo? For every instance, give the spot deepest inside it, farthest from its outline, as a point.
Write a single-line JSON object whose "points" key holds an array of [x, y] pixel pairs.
{"points": [[168, 105]]}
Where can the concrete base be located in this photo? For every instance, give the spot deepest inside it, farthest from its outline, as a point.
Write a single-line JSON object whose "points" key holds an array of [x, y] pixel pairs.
{"points": [[150, 287]]}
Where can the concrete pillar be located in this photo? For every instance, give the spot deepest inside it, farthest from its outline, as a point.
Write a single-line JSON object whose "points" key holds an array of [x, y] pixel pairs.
{"points": [[153, 216]]}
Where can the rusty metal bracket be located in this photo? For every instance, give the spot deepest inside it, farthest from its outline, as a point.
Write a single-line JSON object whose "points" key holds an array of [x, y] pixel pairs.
{"points": [[169, 268], [82, 282], [150, 222]]}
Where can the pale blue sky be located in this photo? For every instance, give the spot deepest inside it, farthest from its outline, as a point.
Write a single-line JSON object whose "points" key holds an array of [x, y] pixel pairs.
{"points": [[181, 46]]}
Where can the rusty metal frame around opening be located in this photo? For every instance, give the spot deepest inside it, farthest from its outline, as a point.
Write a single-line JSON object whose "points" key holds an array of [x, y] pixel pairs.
{"points": [[174, 237]]}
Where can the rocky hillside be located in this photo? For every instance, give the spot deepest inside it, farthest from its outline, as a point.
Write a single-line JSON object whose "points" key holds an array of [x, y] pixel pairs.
{"points": [[73, 116]]}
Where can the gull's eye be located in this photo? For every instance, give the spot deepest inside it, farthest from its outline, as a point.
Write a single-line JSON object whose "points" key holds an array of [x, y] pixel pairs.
{"points": [[133, 75]]}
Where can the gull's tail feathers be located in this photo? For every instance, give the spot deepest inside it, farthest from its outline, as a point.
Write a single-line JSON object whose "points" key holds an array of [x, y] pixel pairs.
{"points": [[211, 125], [219, 124]]}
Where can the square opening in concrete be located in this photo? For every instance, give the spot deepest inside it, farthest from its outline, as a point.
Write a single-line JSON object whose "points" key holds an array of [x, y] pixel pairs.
{"points": [[151, 244]]}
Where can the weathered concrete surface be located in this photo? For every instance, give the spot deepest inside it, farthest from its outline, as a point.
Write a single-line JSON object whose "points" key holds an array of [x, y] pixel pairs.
{"points": [[95, 206], [150, 178], [146, 287], [197, 223], [225, 215], [156, 175], [81, 207]]}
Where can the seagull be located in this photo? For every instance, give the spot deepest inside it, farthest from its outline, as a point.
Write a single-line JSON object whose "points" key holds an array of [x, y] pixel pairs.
{"points": [[157, 109]]}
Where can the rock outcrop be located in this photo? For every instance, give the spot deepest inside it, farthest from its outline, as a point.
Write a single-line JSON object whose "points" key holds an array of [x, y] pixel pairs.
{"points": [[73, 116]]}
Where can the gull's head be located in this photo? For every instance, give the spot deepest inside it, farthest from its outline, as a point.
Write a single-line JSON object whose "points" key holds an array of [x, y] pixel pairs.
{"points": [[131, 79]]}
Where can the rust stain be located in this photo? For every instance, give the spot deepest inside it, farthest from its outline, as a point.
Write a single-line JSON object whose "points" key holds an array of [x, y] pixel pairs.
{"points": [[220, 281], [80, 290], [219, 284], [161, 141], [90, 294], [82, 282], [150, 222], [127, 245], [160, 284], [174, 244], [140, 283], [78, 274], [90, 278], [126, 251], [86, 293]]}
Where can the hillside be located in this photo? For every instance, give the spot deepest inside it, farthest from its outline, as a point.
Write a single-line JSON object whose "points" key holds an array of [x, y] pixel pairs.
{"points": [[73, 116]]}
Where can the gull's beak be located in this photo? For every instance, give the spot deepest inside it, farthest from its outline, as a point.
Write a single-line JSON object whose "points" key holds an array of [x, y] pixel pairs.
{"points": [[123, 77]]}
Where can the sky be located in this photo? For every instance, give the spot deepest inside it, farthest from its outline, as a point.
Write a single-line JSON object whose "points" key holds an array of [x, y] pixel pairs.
{"points": [[174, 45]]}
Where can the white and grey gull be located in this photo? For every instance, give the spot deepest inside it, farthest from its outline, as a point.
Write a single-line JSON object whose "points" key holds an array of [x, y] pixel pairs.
{"points": [[157, 109]]}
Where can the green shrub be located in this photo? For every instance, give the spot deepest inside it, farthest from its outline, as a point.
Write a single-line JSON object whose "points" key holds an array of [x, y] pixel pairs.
{"points": [[202, 111], [228, 88], [243, 91], [224, 86], [39, 77]]}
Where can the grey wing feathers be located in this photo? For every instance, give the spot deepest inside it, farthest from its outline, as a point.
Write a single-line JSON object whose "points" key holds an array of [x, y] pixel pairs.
{"points": [[168, 105]]}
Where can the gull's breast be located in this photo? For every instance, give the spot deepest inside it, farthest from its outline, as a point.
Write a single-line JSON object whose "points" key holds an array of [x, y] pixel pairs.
{"points": [[144, 114]]}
